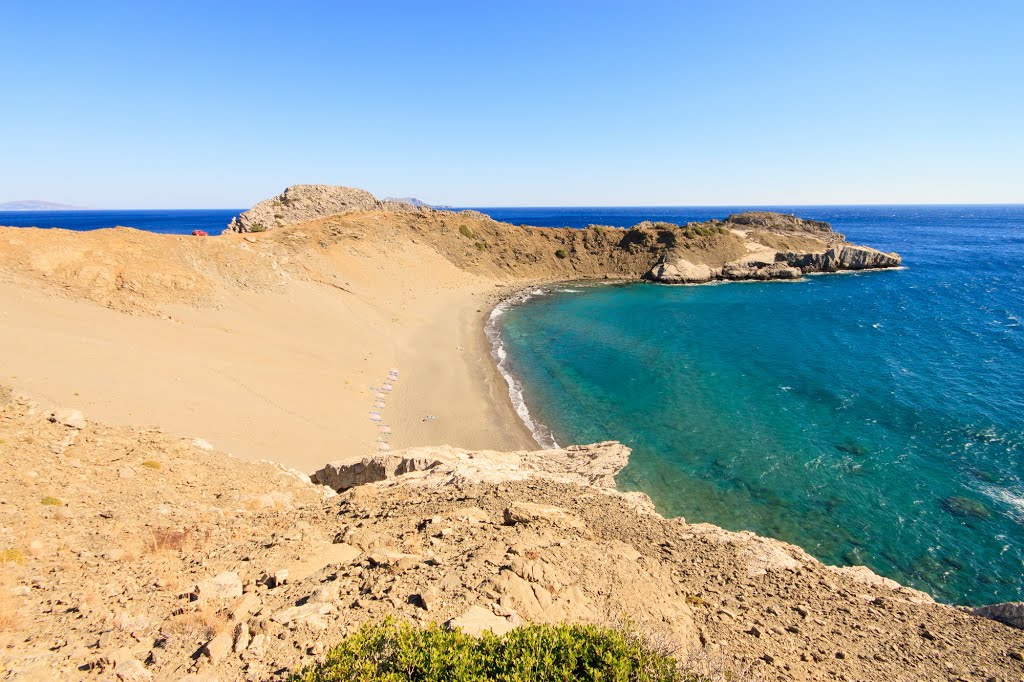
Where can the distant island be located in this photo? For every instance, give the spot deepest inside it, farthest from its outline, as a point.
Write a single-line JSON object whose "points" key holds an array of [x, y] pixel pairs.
{"points": [[418, 203], [35, 205]]}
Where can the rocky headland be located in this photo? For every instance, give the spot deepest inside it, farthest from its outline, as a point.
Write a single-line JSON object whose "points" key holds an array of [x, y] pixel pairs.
{"points": [[138, 553], [745, 246]]}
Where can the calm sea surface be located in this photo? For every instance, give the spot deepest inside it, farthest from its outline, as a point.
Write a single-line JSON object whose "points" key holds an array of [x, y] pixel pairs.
{"points": [[873, 418], [212, 221]]}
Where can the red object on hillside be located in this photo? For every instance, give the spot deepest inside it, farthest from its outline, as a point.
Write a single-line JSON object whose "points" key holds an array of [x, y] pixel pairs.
{"points": [[199, 233]]}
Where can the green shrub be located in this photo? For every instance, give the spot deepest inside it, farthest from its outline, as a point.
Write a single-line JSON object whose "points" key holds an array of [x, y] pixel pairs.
{"points": [[480, 246], [394, 652], [51, 501], [151, 464], [561, 254], [258, 227], [466, 232]]}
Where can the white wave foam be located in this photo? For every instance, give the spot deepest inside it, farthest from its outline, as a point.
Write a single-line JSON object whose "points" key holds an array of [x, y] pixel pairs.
{"points": [[541, 433], [1012, 498]]}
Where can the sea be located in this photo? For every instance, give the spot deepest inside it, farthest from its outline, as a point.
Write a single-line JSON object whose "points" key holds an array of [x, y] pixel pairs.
{"points": [[874, 418], [169, 221]]}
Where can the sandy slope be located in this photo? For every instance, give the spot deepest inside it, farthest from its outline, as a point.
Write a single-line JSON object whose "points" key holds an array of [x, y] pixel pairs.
{"points": [[278, 365]]}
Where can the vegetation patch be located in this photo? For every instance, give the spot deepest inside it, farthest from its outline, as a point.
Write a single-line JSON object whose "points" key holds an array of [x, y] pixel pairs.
{"points": [[480, 246], [466, 232], [393, 652], [51, 501], [151, 464], [561, 254], [258, 227], [12, 556]]}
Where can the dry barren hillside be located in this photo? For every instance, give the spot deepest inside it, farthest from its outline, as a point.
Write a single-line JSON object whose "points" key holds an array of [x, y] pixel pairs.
{"points": [[128, 553]]}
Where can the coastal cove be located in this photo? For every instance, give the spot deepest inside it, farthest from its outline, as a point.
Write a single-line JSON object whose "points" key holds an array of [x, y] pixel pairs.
{"points": [[346, 347], [871, 418]]}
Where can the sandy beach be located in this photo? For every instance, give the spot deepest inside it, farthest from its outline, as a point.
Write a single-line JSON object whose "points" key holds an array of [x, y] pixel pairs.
{"points": [[283, 373]]}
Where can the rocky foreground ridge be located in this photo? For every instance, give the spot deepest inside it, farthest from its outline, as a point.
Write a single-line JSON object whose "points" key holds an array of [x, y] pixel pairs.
{"points": [[129, 554]]}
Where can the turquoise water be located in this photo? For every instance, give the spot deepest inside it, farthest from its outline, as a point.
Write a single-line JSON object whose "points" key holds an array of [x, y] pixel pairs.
{"points": [[873, 418]]}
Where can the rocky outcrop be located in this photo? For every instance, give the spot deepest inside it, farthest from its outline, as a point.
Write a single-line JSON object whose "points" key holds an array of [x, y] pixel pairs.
{"points": [[844, 257], [682, 271], [762, 234], [594, 465], [778, 222], [1008, 613], [302, 203]]}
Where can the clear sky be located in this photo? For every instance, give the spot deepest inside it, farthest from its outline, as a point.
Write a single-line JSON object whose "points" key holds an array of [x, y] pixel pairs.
{"points": [[221, 104]]}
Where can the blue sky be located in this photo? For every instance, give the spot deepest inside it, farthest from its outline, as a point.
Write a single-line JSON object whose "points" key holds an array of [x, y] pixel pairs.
{"points": [[221, 104]]}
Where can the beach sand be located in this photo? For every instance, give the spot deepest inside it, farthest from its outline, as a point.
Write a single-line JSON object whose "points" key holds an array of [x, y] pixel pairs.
{"points": [[284, 374]]}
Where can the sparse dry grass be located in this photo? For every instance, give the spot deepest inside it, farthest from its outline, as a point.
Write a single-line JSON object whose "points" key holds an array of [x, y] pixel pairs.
{"points": [[201, 623], [50, 501], [12, 556], [152, 464], [163, 539], [8, 609]]}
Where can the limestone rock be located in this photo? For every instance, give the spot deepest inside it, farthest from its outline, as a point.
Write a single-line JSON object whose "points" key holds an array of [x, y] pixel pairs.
{"points": [[68, 417], [681, 271], [220, 646], [476, 620], [302, 203], [530, 513], [132, 670], [843, 257], [226, 585], [309, 614], [344, 474], [1008, 613], [594, 464]]}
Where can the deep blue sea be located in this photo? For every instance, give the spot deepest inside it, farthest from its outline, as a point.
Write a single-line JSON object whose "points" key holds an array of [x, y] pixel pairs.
{"points": [[873, 418], [212, 221]]}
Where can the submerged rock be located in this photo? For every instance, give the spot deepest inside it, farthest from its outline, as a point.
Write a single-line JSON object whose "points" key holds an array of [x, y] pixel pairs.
{"points": [[965, 506]]}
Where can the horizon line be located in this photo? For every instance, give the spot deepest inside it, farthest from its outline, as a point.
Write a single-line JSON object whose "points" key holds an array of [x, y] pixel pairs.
{"points": [[530, 206]]}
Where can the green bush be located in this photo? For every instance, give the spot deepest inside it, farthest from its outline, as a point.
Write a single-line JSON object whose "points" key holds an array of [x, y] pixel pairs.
{"points": [[466, 232], [258, 227], [561, 254], [480, 246], [395, 652]]}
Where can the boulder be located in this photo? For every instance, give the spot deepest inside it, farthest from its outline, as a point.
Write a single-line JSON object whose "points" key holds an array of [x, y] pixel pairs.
{"points": [[680, 271], [476, 620], [529, 513], [226, 585], [68, 417]]}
